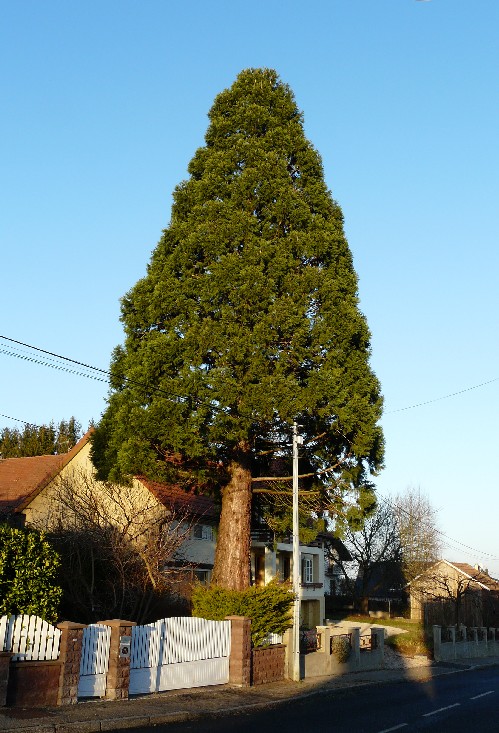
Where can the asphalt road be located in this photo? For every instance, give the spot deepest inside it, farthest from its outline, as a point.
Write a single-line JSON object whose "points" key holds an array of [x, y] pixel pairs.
{"points": [[459, 702]]}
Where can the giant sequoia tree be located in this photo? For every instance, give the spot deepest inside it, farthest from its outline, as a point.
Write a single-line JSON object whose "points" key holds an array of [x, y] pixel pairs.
{"points": [[247, 319]]}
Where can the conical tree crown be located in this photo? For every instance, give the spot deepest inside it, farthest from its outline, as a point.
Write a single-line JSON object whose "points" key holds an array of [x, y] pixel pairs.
{"points": [[248, 315]]}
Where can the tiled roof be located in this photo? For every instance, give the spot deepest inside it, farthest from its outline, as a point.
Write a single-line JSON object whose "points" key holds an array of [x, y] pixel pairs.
{"points": [[172, 495], [477, 574], [20, 477]]}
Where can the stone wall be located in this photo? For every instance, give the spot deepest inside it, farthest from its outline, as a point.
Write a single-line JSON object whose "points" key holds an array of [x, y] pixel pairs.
{"points": [[118, 673], [69, 658], [323, 662], [463, 642], [4, 676], [268, 664]]}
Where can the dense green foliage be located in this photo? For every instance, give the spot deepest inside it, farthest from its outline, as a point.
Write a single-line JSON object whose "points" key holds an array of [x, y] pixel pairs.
{"points": [[247, 317], [268, 607], [39, 440], [28, 574], [340, 647]]}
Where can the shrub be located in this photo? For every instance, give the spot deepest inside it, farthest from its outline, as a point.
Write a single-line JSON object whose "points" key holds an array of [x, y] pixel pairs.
{"points": [[268, 607], [28, 574], [340, 647]]}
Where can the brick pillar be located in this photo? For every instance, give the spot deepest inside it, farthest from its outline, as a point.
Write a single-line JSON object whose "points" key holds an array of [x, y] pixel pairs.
{"points": [[118, 671], [4, 676], [240, 651], [69, 656]]}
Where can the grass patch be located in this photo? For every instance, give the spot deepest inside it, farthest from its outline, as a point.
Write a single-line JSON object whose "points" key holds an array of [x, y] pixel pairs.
{"points": [[414, 642]]}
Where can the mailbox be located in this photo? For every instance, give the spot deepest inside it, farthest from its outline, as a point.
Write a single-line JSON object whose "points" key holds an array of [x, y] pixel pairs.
{"points": [[125, 642]]}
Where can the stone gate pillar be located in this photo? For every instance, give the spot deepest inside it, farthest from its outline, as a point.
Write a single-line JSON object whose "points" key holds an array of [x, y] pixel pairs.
{"points": [[118, 671]]}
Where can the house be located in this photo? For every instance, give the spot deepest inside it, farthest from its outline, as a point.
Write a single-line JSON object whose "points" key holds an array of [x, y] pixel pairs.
{"points": [[270, 559], [40, 492], [336, 554], [450, 593]]}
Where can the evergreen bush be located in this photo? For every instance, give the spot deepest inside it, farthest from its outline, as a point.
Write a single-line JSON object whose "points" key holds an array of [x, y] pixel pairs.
{"points": [[268, 607], [340, 647], [28, 574]]}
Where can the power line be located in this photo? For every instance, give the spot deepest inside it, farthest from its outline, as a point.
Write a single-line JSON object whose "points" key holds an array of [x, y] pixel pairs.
{"points": [[445, 397], [106, 378], [107, 374], [58, 356], [18, 419], [437, 531]]}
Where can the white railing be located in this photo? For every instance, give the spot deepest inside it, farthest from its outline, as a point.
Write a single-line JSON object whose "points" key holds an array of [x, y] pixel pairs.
{"points": [[181, 652], [180, 639], [273, 639], [29, 638]]}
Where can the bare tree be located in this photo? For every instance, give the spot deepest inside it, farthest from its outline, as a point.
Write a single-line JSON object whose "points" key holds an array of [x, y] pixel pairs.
{"points": [[418, 529], [121, 548], [376, 555]]}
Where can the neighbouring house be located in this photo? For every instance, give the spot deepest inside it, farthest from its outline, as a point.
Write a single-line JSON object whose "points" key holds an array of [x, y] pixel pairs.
{"points": [[449, 593], [335, 581], [271, 559], [47, 492]]}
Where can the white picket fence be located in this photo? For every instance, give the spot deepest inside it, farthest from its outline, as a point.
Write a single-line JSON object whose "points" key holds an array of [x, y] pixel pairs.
{"points": [[176, 653], [29, 638]]}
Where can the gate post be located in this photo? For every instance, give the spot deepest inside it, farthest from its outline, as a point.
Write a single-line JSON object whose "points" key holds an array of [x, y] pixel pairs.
{"points": [[69, 656], [118, 671], [240, 651]]}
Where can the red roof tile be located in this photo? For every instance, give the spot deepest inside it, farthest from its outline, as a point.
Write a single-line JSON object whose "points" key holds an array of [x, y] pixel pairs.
{"points": [[477, 574], [182, 499], [21, 479]]}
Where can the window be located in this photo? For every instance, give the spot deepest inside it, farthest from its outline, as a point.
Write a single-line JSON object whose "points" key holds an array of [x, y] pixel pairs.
{"points": [[202, 576], [285, 565], [307, 570], [202, 532]]}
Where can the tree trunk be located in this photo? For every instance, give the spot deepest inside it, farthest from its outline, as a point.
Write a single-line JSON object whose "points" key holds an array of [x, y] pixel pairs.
{"points": [[232, 557]]}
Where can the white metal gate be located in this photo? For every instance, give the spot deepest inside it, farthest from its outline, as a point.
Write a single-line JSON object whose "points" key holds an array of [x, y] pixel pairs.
{"points": [[94, 661], [181, 652]]}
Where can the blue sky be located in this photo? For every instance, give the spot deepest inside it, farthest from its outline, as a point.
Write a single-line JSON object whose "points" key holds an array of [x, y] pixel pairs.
{"points": [[104, 104]]}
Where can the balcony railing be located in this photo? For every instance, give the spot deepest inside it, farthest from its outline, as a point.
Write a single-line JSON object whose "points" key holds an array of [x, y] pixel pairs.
{"points": [[312, 586]]}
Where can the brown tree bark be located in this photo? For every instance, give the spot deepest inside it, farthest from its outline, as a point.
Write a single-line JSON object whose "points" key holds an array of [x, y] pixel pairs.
{"points": [[232, 558]]}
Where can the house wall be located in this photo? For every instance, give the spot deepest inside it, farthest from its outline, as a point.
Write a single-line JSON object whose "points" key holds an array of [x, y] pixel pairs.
{"points": [[52, 506], [433, 601], [132, 507], [200, 551], [268, 563]]}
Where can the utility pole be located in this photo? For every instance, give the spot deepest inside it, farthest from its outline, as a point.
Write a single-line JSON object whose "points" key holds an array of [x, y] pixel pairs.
{"points": [[297, 440]]}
